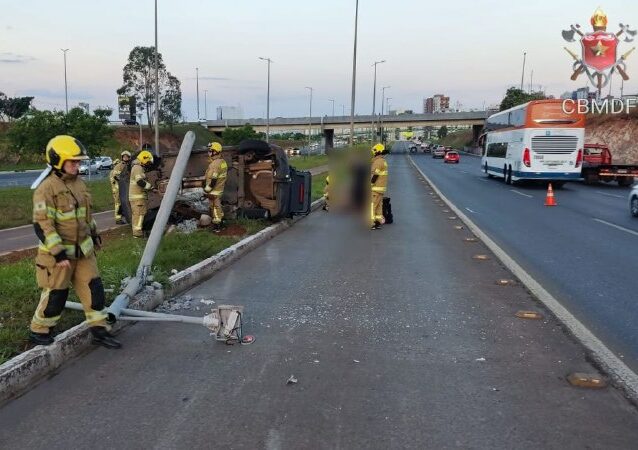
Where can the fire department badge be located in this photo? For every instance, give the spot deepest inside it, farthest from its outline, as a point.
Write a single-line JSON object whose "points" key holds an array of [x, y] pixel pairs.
{"points": [[599, 50]]}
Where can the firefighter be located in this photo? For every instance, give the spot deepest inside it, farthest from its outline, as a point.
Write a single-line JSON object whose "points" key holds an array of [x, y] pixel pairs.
{"points": [[119, 167], [138, 191], [326, 194], [214, 183], [63, 223], [378, 182]]}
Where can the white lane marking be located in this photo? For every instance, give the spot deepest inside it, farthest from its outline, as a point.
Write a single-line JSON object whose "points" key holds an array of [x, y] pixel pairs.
{"points": [[611, 363], [473, 212], [520, 193], [610, 195], [484, 179], [464, 171], [618, 227]]}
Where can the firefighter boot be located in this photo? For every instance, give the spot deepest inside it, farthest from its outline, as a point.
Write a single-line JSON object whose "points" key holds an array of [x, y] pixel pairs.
{"points": [[104, 338], [40, 338]]}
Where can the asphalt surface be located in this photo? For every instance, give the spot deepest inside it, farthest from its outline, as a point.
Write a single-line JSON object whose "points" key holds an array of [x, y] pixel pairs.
{"points": [[582, 251], [23, 237], [397, 337], [26, 178]]}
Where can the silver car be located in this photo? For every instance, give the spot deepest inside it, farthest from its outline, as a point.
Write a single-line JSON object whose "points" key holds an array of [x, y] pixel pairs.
{"points": [[633, 201]]}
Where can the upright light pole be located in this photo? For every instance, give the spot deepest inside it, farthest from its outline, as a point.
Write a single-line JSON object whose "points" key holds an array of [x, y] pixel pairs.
{"points": [[206, 105], [139, 122], [197, 85], [269, 61], [387, 106], [382, 103], [66, 91], [354, 73], [156, 87], [310, 119], [374, 94], [531, 81], [343, 110], [333, 106], [523, 73]]}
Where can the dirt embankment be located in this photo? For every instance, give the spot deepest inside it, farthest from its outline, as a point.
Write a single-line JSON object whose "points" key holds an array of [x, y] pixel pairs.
{"points": [[129, 137], [619, 132]]}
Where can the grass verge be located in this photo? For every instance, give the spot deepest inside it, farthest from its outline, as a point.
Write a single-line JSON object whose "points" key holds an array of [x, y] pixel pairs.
{"points": [[117, 260], [16, 204], [308, 162]]}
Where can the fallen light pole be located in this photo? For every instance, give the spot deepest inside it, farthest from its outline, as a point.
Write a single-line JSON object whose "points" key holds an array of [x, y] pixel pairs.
{"points": [[225, 320]]}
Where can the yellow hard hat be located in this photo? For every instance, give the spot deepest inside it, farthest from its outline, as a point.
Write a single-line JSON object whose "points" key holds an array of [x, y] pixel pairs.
{"points": [[64, 148], [328, 179], [215, 147], [378, 149], [125, 153], [145, 157]]}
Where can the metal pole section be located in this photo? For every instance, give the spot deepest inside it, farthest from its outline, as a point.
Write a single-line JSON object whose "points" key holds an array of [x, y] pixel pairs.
{"points": [[174, 185], [206, 105], [66, 92], [374, 96], [523, 74], [310, 121], [139, 121], [333, 106], [147, 316], [354, 73], [531, 81], [197, 78], [157, 152], [268, 60]]}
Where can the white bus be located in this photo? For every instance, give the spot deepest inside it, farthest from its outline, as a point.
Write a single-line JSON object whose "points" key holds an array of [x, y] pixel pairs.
{"points": [[534, 141]]}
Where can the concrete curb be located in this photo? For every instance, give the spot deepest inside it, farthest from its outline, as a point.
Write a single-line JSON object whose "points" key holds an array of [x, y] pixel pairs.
{"points": [[21, 373], [619, 372]]}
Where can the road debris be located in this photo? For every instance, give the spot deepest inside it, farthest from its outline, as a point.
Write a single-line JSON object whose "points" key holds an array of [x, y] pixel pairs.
{"points": [[292, 380]]}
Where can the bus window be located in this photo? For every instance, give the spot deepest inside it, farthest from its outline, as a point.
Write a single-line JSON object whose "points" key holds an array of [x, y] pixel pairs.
{"points": [[497, 150]]}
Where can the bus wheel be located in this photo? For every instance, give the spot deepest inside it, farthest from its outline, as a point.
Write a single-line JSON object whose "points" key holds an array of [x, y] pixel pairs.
{"points": [[505, 174], [508, 179], [558, 184]]}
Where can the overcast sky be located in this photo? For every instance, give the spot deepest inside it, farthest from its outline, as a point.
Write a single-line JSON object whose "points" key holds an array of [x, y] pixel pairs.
{"points": [[469, 50]]}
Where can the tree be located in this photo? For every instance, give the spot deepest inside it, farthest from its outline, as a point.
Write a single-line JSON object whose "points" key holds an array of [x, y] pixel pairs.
{"points": [[171, 102], [31, 133], [442, 132], [139, 81], [104, 113], [515, 96], [233, 136], [12, 108]]}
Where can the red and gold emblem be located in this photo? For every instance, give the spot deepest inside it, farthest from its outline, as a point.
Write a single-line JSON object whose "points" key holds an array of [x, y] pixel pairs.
{"points": [[599, 50]]}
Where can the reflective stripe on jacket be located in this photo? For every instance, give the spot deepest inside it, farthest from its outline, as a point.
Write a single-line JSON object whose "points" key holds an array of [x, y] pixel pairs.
{"points": [[380, 169], [217, 170], [135, 191]]}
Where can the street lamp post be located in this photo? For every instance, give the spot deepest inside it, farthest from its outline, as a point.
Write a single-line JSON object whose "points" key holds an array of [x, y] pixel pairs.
{"points": [[382, 103], [197, 88], [374, 95], [333, 106], [139, 122], [156, 87], [66, 92], [523, 73], [310, 120], [269, 61], [354, 72], [206, 105]]}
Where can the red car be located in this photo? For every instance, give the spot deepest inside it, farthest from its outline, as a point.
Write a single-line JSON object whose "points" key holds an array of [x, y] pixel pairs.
{"points": [[452, 157]]}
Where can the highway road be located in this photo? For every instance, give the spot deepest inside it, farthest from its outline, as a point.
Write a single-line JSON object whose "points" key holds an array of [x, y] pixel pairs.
{"points": [[15, 179], [583, 251], [397, 338]]}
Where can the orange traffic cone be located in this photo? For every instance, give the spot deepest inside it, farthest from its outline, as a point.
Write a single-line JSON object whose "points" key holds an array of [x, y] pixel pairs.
{"points": [[550, 200]]}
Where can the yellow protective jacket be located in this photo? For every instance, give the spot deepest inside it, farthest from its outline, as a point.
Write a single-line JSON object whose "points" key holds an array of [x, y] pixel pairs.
{"points": [[114, 175], [380, 169], [217, 170], [62, 217], [138, 186]]}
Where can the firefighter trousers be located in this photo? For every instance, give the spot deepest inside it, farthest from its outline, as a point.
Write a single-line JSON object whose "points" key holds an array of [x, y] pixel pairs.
{"points": [[55, 281], [138, 211], [216, 211], [117, 206], [376, 208]]}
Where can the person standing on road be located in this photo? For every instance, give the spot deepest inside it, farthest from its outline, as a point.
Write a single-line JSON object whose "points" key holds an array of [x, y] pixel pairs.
{"points": [[378, 182], [63, 223], [138, 191], [215, 182], [120, 167]]}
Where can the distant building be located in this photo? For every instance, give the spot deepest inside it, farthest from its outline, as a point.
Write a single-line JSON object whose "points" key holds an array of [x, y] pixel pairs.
{"points": [[229, 112], [436, 104]]}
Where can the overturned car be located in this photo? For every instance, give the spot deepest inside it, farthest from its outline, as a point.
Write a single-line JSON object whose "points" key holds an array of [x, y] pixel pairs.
{"points": [[260, 184]]}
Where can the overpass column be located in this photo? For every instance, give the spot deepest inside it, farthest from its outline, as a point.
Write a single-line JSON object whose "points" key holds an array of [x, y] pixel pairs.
{"points": [[476, 133], [328, 137]]}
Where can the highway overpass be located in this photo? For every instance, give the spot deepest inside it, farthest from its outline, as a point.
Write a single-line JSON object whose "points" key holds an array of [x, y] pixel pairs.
{"points": [[327, 125]]}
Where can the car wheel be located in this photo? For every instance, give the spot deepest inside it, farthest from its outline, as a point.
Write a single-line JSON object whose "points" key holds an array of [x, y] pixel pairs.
{"points": [[634, 206]]}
